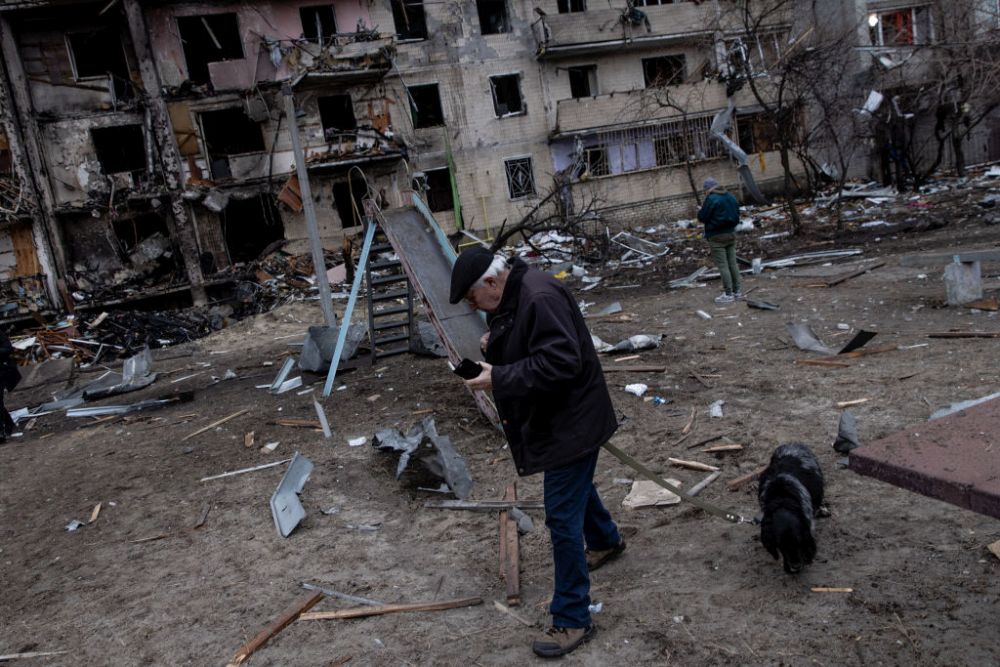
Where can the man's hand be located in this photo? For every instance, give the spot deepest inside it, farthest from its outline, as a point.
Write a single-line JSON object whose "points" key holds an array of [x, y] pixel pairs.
{"points": [[484, 340], [483, 381]]}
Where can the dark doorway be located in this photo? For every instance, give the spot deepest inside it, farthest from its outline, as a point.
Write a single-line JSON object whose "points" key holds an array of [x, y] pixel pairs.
{"points": [[209, 39], [336, 114], [582, 80], [439, 197], [249, 226], [229, 132], [120, 149], [343, 192]]}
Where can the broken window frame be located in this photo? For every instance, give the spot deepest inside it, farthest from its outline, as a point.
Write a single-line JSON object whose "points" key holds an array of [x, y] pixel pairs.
{"points": [[520, 177], [71, 50], [494, 81], [589, 72], [331, 132], [680, 141], [675, 78], [314, 30], [596, 159], [500, 14], [211, 156], [409, 20], [754, 133], [571, 6], [436, 119], [920, 26], [203, 20], [438, 191]]}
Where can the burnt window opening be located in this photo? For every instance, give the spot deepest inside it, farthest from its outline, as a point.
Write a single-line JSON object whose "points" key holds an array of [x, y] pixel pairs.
{"points": [[228, 132], [409, 19], [582, 80], [520, 177], [132, 230], [120, 149], [425, 105], [209, 39], [507, 100], [493, 17], [567, 6], [756, 133], [439, 196], [249, 226], [318, 23], [99, 54], [663, 71], [596, 158], [336, 114], [349, 199]]}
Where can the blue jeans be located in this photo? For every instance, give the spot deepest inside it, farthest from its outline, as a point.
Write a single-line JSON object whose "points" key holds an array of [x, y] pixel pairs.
{"points": [[574, 516]]}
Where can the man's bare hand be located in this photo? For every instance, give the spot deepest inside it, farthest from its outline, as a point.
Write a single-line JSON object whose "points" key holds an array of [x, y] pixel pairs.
{"points": [[483, 381], [484, 340]]}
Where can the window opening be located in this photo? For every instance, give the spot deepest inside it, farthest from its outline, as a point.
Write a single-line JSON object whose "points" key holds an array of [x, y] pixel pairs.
{"points": [[439, 197], [336, 114], [98, 54], [208, 39], [493, 17], [663, 71], [409, 19], [228, 132], [425, 105], [520, 179], [902, 27], [318, 23], [582, 80], [596, 158], [249, 226], [755, 133], [568, 6], [350, 215], [507, 100], [120, 149]]}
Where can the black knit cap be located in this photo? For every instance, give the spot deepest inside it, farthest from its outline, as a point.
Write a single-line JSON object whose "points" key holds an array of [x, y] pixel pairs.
{"points": [[469, 267]]}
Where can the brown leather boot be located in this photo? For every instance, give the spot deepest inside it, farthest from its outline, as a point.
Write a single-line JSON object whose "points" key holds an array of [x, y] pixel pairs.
{"points": [[556, 642], [596, 559]]}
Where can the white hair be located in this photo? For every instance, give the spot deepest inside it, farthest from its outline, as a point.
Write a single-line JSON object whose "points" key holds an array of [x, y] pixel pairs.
{"points": [[497, 266]]}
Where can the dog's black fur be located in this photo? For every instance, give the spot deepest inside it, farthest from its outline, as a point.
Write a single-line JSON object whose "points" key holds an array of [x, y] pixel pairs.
{"points": [[790, 495]]}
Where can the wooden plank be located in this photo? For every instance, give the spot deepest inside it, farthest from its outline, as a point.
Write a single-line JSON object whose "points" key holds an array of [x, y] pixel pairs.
{"points": [[965, 334], [220, 422], [868, 352], [827, 589], [30, 654], [722, 448], [848, 404], [303, 604], [25, 256], [692, 465], [822, 362], [854, 274], [510, 551], [300, 423], [734, 484], [361, 612], [635, 369]]}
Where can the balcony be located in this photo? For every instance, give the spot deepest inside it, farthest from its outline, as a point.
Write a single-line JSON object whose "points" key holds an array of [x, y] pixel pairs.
{"points": [[595, 31], [640, 107]]}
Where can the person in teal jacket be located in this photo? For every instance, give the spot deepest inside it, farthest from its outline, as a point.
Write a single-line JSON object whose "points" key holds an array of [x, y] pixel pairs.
{"points": [[720, 213]]}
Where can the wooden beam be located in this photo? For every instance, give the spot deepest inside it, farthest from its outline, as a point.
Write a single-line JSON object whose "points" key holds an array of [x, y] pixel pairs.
{"points": [[965, 334], [213, 425], [734, 484], [510, 567], [303, 604], [361, 612], [635, 369], [483, 505], [722, 448], [692, 465], [854, 274]]}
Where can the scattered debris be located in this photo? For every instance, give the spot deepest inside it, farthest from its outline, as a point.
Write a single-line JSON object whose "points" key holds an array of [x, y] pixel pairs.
{"points": [[735, 484], [715, 410], [30, 654], [847, 433], [361, 612], [700, 486], [630, 344], [135, 375], [692, 465], [484, 505], [74, 525], [94, 513], [510, 568], [220, 422], [435, 452], [852, 403], [635, 369], [762, 305], [286, 509], [140, 406], [806, 340], [703, 315], [343, 596], [995, 548], [324, 423], [962, 405], [513, 614], [270, 447], [826, 589], [637, 389], [357, 442], [302, 605], [645, 493], [244, 470]]}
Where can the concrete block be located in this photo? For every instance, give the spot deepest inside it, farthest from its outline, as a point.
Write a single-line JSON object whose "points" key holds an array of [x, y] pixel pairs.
{"points": [[963, 282]]}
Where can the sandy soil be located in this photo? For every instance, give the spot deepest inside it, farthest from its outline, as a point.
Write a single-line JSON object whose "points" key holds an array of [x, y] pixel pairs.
{"points": [[690, 590]]}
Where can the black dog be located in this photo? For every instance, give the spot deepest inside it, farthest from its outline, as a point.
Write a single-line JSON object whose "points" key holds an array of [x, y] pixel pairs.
{"points": [[790, 495]]}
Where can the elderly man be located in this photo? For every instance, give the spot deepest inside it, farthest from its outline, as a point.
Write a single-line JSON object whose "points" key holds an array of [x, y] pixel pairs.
{"points": [[556, 414]]}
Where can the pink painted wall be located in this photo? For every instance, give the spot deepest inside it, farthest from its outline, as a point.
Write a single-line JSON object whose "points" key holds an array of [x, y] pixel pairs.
{"points": [[273, 20]]}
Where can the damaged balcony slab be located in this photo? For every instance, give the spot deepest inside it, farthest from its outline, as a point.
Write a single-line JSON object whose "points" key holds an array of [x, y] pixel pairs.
{"points": [[950, 458]]}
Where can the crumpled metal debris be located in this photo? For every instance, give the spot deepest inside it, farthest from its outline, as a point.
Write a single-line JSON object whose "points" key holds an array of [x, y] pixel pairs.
{"points": [[806, 340], [847, 433], [630, 344], [319, 344], [286, 509], [436, 452], [135, 375]]}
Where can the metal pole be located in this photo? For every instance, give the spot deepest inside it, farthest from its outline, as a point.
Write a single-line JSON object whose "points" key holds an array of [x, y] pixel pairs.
{"points": [[319, 262]]}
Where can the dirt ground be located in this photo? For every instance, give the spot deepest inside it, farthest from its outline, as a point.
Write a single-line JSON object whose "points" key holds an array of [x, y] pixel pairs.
{"points": [[690, 590]]}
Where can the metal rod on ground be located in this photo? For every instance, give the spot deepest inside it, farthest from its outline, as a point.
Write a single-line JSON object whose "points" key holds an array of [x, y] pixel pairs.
{"points": [[346, 323], [343, 596], [319, 261], [700, 486]]}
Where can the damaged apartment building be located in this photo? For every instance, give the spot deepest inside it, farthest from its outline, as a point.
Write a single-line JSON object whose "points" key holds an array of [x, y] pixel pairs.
{"points": [[145, 146]]}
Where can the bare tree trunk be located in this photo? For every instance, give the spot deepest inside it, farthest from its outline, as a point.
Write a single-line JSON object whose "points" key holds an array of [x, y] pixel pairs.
{"points": [[793, 212], [959, 153]]}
